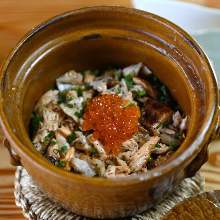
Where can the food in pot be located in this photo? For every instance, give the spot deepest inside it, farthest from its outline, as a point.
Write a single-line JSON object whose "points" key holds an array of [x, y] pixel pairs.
{"points": [[111, 123]]}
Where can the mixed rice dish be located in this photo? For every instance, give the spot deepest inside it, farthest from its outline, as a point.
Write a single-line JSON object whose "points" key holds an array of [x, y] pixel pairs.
{"points": [[111, 123]]}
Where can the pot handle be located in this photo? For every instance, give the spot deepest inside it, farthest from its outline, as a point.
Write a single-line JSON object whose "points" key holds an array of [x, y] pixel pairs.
{"points": [[15, 159]]}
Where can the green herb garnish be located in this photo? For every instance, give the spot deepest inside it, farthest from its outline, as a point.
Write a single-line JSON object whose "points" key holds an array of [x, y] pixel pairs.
{"points": [[164, 95], [79, 114], [118, 90], [117, 75], [60, 163], [53, 142], [129, 104], [150, 159], [35, 123], [49, 137], [129, 81], [179, 135], [157, 145], [173, 145], [160, 125], [62, 97], [69, 105], [70, 138], [79, 91], [94, 152], [63, 149], [140, 93]]}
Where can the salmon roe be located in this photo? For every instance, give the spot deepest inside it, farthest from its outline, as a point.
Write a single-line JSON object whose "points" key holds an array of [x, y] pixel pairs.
{"points": [[112, 119]]}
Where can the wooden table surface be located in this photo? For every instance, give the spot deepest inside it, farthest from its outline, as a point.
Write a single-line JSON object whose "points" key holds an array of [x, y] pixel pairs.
{"points": [[19, 16]]}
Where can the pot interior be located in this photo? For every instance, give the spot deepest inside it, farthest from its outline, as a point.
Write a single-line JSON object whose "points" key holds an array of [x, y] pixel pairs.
{"points": [[102, 37]]}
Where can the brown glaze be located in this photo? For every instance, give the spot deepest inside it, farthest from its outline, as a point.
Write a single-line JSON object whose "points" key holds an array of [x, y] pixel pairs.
{"points": [[120, 37]]}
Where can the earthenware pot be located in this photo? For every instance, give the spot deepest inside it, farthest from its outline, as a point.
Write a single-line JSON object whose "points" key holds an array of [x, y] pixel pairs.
{"points": [[94, 38]]}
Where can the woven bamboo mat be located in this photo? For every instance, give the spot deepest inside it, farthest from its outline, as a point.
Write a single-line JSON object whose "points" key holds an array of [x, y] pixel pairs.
{"points": [[37, 206]]}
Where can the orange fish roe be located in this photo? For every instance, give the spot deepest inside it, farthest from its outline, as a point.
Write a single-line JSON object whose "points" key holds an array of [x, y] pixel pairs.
{"points": [[110, 119]]}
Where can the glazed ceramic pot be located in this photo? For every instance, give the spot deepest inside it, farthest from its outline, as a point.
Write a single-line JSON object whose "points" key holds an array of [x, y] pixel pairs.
{"points": [[94, 38]]}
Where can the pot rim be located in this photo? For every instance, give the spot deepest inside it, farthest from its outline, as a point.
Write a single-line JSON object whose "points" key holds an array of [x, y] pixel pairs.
{"points": [[204, 134]]}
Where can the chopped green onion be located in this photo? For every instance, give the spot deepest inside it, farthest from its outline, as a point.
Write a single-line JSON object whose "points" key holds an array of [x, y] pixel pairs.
{"points": [[60, 163], [118, 90], [53, 142], [79, 114], [174, 145], [70, 138], [94, 152], [35, 123], [63, 149], [160, 125], [129, 81], [79, 90], [140, 93], [150, 159], [62, 97], [129, 104], [49, 137], [179, 135], [69, 105], [157, 145], [117, 74]]}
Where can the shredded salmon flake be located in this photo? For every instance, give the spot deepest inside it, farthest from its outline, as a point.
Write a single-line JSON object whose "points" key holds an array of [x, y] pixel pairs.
{"points": [[112, 120]]}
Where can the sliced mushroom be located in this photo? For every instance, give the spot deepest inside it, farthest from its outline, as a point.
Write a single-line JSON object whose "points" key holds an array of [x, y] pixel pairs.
{"points": [[82, 166], [99, 85], [176, 119], [167, 131], [139, 159], [146, 71], [70, 77], [146, 85], [132, 70], [155, 114], [169, 140], [162, 150], [183, 124]]}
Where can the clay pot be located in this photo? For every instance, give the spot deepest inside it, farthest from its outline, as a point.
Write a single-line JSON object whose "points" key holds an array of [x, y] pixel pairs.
{"points": [[94, 38]]}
